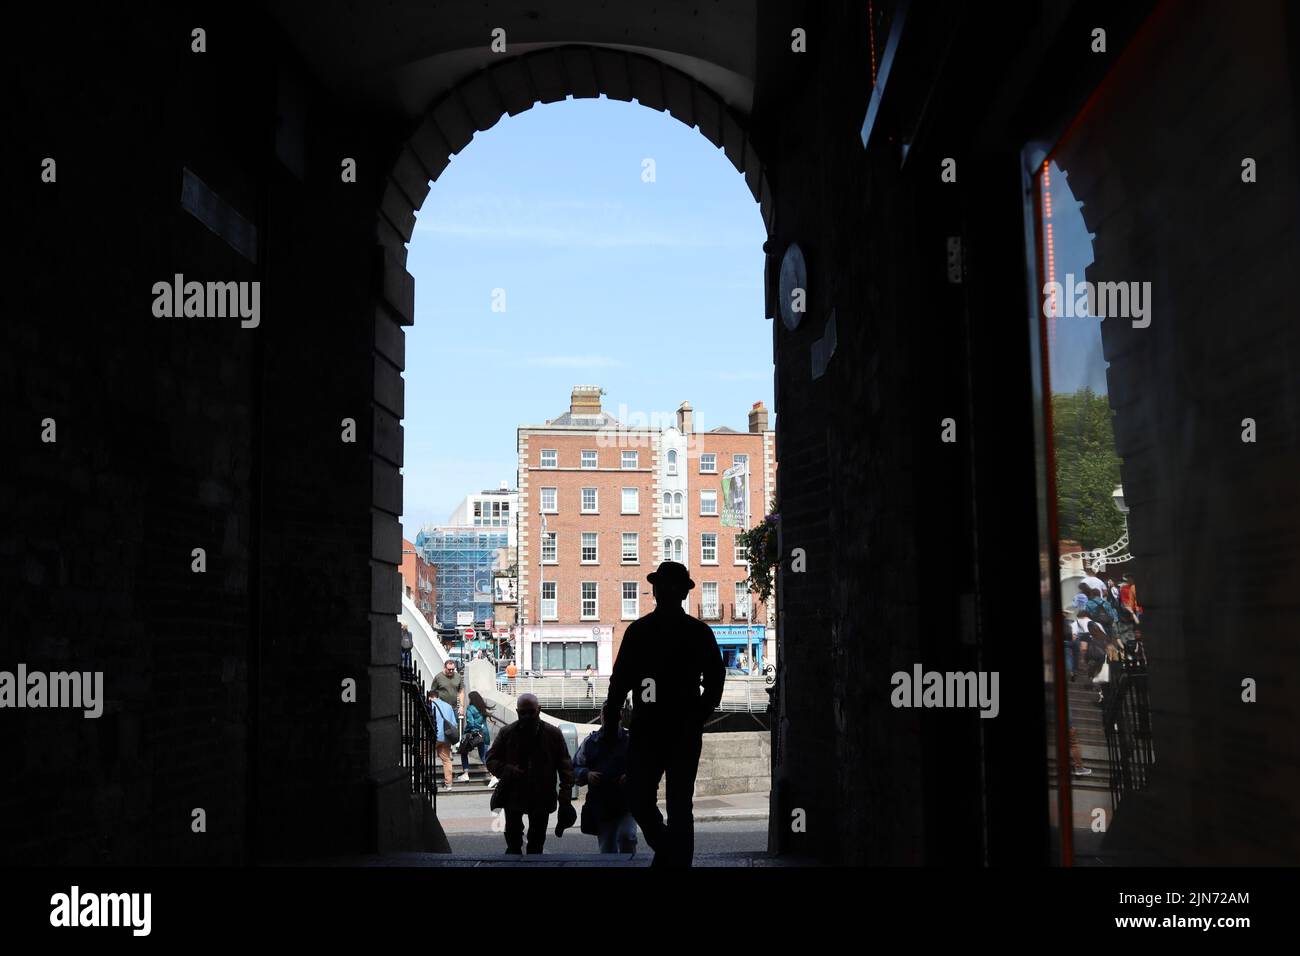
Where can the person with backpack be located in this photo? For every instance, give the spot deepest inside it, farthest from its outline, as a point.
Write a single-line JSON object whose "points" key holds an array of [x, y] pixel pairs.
{"points": [[448, 733], [1100, 609], [477, 735], [601, 766]]}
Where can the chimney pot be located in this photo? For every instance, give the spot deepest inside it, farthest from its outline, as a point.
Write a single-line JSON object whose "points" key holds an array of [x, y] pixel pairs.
{"points": [[685, 418], [585, 400]]}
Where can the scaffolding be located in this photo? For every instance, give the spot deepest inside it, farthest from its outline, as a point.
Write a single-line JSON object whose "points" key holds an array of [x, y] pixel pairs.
{"points": [[463, 559]]}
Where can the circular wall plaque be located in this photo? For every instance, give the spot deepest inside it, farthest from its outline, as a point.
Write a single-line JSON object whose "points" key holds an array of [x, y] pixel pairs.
{"points": [[794, 275]]}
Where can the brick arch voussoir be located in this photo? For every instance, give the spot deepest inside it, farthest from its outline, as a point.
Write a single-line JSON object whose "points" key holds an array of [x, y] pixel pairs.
{"points": [[519, 83]]}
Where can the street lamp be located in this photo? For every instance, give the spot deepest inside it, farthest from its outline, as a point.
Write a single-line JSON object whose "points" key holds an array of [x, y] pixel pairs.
{"points": [[541, 585]]}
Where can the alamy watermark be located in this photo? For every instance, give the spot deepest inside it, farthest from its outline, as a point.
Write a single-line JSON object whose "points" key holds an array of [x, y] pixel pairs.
{"points": [[208, 300], [77, 690], [78, 909], [946, 689], [639, 429], [1101, 300]]}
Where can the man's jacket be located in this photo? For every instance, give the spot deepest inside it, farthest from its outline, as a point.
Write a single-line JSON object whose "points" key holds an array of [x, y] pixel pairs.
{"points": [[527, 766], [663, 660]]}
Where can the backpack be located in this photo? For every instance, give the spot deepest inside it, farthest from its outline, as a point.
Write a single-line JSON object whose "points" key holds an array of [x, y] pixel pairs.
{"points": [[1102, 613], [450, 731]]}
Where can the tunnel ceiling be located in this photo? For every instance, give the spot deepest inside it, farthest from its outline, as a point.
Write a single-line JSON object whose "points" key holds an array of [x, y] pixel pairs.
{"points": [[400, 57]]}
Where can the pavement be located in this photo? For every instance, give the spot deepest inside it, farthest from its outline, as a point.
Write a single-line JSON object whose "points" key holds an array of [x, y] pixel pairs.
{"points": [[470, 813], [730, 831]]}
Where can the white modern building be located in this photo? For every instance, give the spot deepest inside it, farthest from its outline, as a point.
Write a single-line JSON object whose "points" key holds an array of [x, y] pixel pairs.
{"points": [[489, 509]]}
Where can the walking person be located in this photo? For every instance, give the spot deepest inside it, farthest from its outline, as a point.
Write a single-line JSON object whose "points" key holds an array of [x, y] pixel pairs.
{"points": [[528, 757], [449, 687], [1093, 582], [478, 736], [1129, 614], [1098, 656], [591, 682], [1081, 638], [1077, 768], [1081, 596], [664, 658], [1128, 599], [444, 722], [601, 766]]}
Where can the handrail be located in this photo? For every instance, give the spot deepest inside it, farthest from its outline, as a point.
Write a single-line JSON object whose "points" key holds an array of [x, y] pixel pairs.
{"points": [[418, 735], [566, 692], [1126, 719]]}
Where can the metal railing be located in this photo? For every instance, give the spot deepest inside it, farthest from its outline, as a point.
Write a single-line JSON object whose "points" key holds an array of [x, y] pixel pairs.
{"points": [[419, 754], [1126, 717], [739, 694]]}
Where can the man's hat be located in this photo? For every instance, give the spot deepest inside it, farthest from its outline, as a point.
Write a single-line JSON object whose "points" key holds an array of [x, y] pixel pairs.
{"points": [[671, 573], [566, 818]]}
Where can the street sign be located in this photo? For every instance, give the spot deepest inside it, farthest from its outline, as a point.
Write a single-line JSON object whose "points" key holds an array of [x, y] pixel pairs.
{"points": [[469, 633]]}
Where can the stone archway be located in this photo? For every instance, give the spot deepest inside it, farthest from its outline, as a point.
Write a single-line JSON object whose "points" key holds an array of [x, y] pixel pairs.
{"points": [[476, 104]]}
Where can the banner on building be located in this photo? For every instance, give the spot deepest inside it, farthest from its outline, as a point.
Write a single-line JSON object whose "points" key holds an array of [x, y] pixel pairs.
{"points": [[735, 493], [506, 590]]}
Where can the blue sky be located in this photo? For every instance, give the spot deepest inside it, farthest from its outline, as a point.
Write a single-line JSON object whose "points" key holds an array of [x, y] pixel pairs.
{"points": [[652, 290], [1077, 359]]}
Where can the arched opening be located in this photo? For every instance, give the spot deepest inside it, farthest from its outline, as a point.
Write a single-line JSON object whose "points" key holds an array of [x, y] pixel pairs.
{"points": [[514, 532]]}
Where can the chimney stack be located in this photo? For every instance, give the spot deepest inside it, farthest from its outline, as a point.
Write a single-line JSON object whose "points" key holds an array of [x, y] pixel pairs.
{"points": [[585, 400], [758, 417], [685, 418]]}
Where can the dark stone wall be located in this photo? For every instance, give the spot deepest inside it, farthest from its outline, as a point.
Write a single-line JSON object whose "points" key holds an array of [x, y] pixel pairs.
{"points": [[1215, 525], [884, 509], [224, 688]]}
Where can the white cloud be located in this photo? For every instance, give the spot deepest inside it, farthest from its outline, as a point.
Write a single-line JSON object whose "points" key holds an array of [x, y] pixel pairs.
{"points": [[575, 224]]}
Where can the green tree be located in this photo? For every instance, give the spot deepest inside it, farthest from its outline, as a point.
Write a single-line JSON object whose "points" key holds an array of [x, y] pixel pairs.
{"points": [[1087, 468]]}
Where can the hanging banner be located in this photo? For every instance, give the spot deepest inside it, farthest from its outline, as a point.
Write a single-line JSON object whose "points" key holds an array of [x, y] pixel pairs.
{"points": [[735, 492]]}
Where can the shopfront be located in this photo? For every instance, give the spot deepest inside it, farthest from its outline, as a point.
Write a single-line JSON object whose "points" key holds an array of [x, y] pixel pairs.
{"points": [[554, 649], [732, 641]]}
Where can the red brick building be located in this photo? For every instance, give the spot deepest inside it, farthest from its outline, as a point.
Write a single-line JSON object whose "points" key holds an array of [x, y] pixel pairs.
{"points": [[716, 516], [419, 579], [617, 500]]}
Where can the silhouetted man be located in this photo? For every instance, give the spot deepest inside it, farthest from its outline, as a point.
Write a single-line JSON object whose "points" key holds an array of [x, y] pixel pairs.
{"points": [[527, 757], [662, 660]]}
